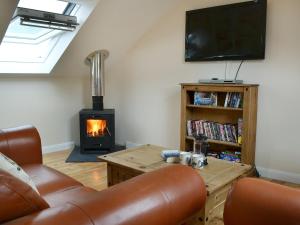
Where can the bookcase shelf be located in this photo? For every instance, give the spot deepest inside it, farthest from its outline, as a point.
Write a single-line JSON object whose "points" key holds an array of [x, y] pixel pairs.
{"points": [[217, 113], [227, 143], [214, 107]]}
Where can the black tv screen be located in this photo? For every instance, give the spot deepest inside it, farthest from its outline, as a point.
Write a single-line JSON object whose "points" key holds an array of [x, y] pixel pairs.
{"points": [[228, 32]]}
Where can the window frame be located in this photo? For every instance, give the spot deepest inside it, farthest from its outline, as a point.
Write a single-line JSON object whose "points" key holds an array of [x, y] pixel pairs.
{"points": [[83, 10]]}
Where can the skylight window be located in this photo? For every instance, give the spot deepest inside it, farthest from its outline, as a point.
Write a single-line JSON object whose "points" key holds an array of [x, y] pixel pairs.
{"points": [[17, 31], [54, 6], [28, 49], [33, 43], [27, 52]]}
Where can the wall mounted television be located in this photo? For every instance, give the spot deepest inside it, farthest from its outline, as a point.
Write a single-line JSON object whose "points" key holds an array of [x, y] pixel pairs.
{"points": [[227, 32]]}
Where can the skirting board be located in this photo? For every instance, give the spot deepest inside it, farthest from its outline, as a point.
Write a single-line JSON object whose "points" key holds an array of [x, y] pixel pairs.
{"points": [[279, 175], [130, 144], [57, 147]]}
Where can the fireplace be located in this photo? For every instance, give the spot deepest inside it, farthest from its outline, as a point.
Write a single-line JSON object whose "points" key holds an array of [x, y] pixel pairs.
{"points": [[97, 130], [97, 125]]}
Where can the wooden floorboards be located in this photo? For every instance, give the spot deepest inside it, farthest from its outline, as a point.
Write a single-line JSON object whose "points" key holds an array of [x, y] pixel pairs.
{"points": [[94, 174], [91, 174]]}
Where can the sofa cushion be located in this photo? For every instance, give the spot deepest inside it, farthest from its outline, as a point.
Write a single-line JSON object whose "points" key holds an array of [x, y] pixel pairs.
{"points": [[48, 180], [17, 198], [15, 170]]}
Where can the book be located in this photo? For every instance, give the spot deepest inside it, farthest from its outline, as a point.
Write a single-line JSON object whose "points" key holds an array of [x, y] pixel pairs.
{"points": [[234, 132], [230, 156], [217, 131], [240, 130], [231, 102], [226, 99], [213, 130], [233, 99], [201, 127], [223, 138], [237, 105], [214, 97], [206, 130], [205, 98]]}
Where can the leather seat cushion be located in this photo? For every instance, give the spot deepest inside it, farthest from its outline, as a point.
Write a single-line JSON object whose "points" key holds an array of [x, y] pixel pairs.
{"points": [[48, 180], [68, 195], [67, 214], [17, 198]]}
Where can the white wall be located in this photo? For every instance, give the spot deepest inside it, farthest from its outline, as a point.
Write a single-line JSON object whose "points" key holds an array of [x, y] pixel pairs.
{"points": [[51, 104], [144, 85]]}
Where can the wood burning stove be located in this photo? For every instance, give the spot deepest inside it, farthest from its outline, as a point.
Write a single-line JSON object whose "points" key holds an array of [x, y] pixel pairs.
{"points": [[97, 125], [97, 130]]}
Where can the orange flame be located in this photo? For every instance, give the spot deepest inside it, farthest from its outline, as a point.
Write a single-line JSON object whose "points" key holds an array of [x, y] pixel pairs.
{"points": [[95, 128]]}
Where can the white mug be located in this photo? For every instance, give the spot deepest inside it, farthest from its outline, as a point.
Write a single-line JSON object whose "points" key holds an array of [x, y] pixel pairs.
{"points": [[198, 160], [185, 158]]}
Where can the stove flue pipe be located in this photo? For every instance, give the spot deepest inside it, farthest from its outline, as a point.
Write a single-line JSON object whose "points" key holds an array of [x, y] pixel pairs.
{"points": [[96, 62]]}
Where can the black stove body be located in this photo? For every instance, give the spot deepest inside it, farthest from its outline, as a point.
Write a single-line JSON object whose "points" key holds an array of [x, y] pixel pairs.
{"points": [[97, 130]]}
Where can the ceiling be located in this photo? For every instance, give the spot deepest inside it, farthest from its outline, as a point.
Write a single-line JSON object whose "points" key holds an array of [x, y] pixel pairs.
{"points": [[7, 9], [115, 25]]}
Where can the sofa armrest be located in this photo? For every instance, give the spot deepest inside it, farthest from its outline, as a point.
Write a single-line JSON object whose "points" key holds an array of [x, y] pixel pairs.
{"points": [[253, 201], [21, 144], [164, 197]]}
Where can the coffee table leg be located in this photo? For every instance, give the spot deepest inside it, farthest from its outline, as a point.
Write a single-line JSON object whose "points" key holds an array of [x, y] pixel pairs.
{"points": [[109, 175]]}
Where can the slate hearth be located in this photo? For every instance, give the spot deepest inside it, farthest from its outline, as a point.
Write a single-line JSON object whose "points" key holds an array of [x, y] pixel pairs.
{"points": [[77, 156]]}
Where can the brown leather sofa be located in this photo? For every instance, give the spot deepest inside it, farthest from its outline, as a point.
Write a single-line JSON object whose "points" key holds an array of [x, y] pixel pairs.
{"points": [[253, 201], [164, 197]]}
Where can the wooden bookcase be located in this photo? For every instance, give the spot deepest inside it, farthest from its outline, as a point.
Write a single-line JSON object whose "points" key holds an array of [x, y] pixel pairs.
{"points": [[220, 114]]}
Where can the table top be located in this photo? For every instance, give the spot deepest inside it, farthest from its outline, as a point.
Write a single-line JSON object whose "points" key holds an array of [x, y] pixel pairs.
{"points": [[147, 158]]}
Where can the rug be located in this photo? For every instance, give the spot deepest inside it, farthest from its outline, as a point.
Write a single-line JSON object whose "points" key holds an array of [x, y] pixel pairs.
{"points": [[77, 156]]}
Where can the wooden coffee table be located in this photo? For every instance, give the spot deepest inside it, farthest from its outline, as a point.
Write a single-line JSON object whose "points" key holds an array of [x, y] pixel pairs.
{"points": [[218, 176]]}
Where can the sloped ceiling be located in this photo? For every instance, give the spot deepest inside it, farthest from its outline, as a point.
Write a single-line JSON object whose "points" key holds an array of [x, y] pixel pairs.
{"points": [[115, 25], [7, 9]]}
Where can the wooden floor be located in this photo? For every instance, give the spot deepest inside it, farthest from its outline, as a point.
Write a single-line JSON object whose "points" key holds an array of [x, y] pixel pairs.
{"points": [[94, 174], [89, 174]]}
